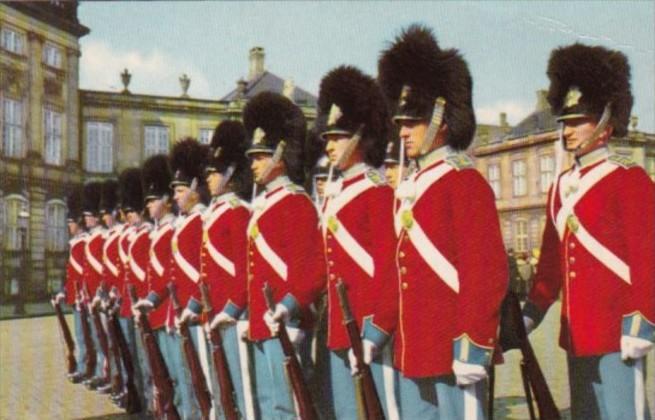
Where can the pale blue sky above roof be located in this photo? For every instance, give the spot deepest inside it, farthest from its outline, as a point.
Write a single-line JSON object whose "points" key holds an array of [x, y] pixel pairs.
{"points": [[506, 44]]}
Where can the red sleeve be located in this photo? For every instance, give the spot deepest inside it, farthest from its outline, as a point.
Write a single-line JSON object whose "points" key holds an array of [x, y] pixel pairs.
{"points": [[238, 290], [480, 257]]}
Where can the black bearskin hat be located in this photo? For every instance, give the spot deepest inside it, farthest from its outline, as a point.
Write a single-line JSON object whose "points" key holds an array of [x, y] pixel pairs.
{"points": [[228, 147], [74, 204], [156, 177], [109, 196], [349, 98], [584, 79], [130, 190], [414, 72], [188, 159], [91, 198], [270, 118]]}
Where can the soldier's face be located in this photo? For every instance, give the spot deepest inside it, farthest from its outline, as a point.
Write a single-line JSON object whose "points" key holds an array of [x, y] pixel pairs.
{"points": [[73, 228], [107, 219], [90, 221], [258, 164], [184, 198], [132, 217], [412, 134], [335, 148], [156, 208], [391, 173], [579, 130], [215, 182]]}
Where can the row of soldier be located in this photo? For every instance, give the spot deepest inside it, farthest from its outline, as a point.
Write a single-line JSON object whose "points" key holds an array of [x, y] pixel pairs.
{"points": [[417, 260]]}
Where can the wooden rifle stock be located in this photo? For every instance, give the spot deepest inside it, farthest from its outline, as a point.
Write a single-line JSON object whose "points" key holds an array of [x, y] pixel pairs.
{"points": [[369, 393], [530, 366], [292, 365], [102, 339], [228, 394], [163, 384], [198, 379], [114, 347], [91, 356], [71, 363]]}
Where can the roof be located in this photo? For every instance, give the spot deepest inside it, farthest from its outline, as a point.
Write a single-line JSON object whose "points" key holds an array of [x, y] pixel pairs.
{"points": [[539, 121], [269, 82]]}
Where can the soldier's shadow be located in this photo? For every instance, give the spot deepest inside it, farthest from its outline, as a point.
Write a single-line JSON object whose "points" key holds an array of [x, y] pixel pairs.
{"points": [[515, 408]]}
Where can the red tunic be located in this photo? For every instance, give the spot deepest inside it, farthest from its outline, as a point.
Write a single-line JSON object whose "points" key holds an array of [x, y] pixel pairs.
{"points": [[137, 267], [359, 249], [123, 254], [454, 296], [284, 249], [614, 204], [93, 269], [223, 255], [111, 259], [159, 267], [75, 268]]}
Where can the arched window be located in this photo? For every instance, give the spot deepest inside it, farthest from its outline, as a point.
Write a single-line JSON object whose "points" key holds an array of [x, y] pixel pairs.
{"points": [[520, 235], [15, 206], [55, 219]]}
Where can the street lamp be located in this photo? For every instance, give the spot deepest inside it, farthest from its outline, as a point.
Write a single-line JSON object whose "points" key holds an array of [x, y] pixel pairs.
{"points": [[23, 220]]}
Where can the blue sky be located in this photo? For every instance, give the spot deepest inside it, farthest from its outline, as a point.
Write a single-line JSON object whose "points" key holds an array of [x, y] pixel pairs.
{"points": [[506, 44]]}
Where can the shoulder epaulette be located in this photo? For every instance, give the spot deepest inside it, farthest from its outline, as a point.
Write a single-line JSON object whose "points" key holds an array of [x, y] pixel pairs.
{"points": [[460, 161], [234, 202], [295, 188], [375, 177], [623, 161]]}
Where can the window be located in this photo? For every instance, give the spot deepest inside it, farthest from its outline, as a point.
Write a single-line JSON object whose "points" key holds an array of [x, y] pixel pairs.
{"points": [[13, 206], [99, 147], [546, 172], [12, 41], [205, 136], [493, 174], [56, 229], [13, 143], [650, 166], [52, 56], [156, 140], [52, 133], [521, 235], [519, 182]]}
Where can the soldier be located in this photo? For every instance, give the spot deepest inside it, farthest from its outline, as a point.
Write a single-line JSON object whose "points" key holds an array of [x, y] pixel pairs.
{"points": [[283, 245], [392, 163], [450, 255], [223, 255], [598, 244], [71, 292], [357, 227], [93, 276]]}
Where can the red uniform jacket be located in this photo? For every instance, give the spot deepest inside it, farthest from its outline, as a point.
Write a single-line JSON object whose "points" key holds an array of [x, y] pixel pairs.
{"points": [[137, 266], [284, 249], [451, 265], [600, 249], [123, 254], [159, 268], [75, 268], [223, 255], [93, 269], [359, 249], [111, 259]]}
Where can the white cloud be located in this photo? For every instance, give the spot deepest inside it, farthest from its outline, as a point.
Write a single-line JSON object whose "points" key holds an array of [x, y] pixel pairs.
{"points": [[516, 111], [153, 72]]}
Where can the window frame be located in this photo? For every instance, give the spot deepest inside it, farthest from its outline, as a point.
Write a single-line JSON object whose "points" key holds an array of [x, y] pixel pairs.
{"points": [[157, 130], [93, 161], [496, 182], [202, 130], [57, 54], [56, 233], [519, 181], [12, 229], [521, 236], [15, 47], [13, 133], [52, 138], [546, 177]]}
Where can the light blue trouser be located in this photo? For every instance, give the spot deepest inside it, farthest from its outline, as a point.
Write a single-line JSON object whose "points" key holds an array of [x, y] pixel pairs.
{"points": [[146, 376], [441, 397], [273, 395], [234, 360], [341, 386], [79, 341], [127, 326], [605, 387], [100, 355], [179, 369]]}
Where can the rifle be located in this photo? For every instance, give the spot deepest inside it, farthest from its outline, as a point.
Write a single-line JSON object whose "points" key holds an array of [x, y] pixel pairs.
{"points": [[533, 378], [68, 339], [163, 384], [228, 394], [117, 379], [102, 339], [132, 401], [197, 376], [292, 365], [91, 356], [364, 384]]}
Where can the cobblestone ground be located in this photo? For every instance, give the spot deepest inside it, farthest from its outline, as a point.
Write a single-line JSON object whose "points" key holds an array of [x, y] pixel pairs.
{"points": [[33, 384]]}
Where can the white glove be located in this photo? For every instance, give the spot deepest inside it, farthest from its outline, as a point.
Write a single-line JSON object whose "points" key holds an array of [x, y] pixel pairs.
{"points": [[369, 351], [296, 335], [96, 301], [468, 373], [186, 317], [113, 294], [221, 320], [634, 347], [272, 319], [529, 324], [142, 305], [59, 297]]}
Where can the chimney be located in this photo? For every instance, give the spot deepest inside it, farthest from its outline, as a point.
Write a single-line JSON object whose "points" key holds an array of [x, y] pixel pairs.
{"points": [[241, 88], [256, 63], [542, 101], [503, 120]]}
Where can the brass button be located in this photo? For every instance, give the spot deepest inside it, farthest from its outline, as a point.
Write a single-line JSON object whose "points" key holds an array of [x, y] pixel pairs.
{"points": [[572, 274], [405, 285], [252, 264], [571, 260], [329, 250], [333, 277], [403, 270], [571, 245], [401, 254], [331, 263], [251, 253]]}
